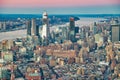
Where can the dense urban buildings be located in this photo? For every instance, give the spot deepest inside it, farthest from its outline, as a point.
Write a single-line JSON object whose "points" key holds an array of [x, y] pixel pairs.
{"points": [[63, 52]]}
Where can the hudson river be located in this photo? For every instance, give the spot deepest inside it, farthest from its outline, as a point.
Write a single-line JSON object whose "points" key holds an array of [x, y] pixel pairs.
{"points": [[22, 33]]}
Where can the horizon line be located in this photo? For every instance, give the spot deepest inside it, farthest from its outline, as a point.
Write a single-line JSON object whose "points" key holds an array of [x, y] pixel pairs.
{"points": [[62, 14]]}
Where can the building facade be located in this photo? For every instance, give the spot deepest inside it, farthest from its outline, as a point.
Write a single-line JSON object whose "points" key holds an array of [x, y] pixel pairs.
{"points": [[115, 32]]}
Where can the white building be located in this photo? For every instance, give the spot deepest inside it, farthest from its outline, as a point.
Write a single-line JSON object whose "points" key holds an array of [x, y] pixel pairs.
{"points": [[45, 27]]}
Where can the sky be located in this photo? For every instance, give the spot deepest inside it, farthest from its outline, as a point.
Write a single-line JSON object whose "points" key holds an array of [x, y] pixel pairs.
{"points": [[60, 6]]}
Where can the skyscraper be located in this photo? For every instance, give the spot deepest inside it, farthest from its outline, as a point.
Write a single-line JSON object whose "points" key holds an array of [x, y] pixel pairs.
{"points": [[45, 28], [4, 25], [0, 25], [37, 30], [115, 32], [72, 29], [28, 25], [72, 24], [95, 28], [76, 29], [33, 27], [82, 34]]}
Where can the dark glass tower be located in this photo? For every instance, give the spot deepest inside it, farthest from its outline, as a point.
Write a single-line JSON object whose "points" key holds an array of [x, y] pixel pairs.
{"points": [[28, 26], [72, 29], [37, 30]]}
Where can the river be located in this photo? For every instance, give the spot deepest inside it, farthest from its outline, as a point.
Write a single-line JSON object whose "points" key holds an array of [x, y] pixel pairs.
{"points": [[23, 33]]}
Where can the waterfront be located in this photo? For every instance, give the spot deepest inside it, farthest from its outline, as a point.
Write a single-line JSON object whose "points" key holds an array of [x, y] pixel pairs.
{"points": [[12, 34], [22, 33]]}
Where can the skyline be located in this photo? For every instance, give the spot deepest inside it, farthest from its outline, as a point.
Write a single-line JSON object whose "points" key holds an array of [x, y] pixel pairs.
{"points": [[60, 6]]}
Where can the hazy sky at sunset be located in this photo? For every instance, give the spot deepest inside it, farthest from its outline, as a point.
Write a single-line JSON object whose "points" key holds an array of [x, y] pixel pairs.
{"points": [[60, 6]]}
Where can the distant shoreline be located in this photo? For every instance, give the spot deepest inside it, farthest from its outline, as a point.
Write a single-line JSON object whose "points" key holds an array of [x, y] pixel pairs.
{"points": [[23, 33], [64, 14], [29, 16]]}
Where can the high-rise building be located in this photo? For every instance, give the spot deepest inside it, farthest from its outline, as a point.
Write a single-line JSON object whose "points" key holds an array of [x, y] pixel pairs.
{"points": [[76, 29], [0, 25], [115, 32], [72, 23], [82, 33], [37, 30], [95, 28], [33, 27], [52, 37], [28, 25], [45, 28], [72, 29], [4, 25]]}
